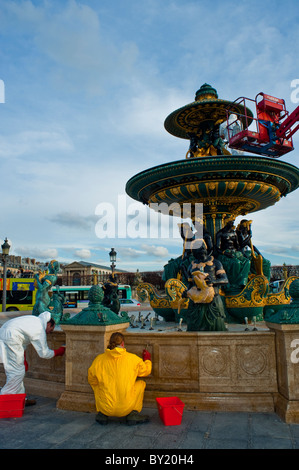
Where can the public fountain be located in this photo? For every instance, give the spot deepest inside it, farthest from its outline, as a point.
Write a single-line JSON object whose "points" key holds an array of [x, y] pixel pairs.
{"points": [[242, 369], [227, 185]]}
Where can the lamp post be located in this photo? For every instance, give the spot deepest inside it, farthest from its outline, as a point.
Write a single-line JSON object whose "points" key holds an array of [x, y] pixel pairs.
{"points": [[112, 255], [5, 252]]}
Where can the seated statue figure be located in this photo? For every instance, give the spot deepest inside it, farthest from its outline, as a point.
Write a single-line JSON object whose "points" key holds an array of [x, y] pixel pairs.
{"points": [[259, 264], [235, 262], [206, 311], [177, 268]]}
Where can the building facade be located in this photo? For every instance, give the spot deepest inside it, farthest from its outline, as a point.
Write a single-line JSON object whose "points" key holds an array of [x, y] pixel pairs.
{"points": [[82, 273], [86, 273], [22, 267], [284, 271]]}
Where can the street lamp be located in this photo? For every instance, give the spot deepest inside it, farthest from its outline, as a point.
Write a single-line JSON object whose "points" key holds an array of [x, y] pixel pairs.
{"points": [[5, 252], [112, 255]]}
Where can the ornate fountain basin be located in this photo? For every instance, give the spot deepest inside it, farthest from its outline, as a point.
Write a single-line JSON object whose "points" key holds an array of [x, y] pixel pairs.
{"points": [[224, 184]]}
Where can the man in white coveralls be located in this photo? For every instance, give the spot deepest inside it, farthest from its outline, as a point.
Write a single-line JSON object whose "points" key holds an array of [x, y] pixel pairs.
{"points": [[15, 336]]}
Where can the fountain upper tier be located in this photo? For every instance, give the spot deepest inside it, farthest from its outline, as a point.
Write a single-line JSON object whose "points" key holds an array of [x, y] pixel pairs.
{"points": [[232, 185], [227, 185], [206, 110]]}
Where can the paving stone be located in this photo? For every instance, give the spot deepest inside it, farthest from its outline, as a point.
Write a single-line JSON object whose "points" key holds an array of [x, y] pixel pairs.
{"points": [[269, 425], [226, 444], [193, 440], [271, 443], [45, 427]]}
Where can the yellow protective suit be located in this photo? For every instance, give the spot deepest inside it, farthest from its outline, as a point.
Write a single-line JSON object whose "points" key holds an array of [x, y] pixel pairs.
{"points": [[112, 377]]}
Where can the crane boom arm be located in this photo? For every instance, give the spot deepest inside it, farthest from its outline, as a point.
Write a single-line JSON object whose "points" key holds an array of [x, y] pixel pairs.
{"points": [[286, 125]]}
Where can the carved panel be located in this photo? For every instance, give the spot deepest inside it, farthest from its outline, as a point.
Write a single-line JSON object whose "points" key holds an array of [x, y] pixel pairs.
{"points": [[253, 361], [45, 369], [172, 364], [214, 361], [239, 363]]}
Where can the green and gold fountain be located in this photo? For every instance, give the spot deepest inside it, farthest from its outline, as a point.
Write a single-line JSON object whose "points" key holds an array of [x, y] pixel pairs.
{"points": [[226, 186]]}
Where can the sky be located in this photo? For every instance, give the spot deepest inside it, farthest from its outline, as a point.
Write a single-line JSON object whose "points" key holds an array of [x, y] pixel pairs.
{"points": [[85, 88]]}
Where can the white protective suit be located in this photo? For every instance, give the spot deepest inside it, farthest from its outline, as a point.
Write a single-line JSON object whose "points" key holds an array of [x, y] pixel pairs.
{"points": [[15, 336]]}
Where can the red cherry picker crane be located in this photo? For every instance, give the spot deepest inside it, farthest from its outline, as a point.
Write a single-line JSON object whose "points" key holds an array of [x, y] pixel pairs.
{"points": [[270, 133]]}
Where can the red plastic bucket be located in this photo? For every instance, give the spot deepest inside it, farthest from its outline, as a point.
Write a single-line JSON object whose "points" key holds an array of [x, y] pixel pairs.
{"points": [[12, 406], [170, 410]]}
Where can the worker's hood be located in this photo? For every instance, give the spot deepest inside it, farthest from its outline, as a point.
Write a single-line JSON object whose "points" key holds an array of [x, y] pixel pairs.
{"points": [[44, 318], [116, 352]]}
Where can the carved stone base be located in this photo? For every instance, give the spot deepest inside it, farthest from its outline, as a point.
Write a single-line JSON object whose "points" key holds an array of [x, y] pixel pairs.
{"points": [[288, 410], [247, 402], [75, 401], [83, 344], [287, 365], [207, 371], [222, 371], [257, 403]]}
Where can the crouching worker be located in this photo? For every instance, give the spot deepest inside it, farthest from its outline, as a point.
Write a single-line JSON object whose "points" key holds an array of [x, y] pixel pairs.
{"points": [[112, 377], [15, 336]]}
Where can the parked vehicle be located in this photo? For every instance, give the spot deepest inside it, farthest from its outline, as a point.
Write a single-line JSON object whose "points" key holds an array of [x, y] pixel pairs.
{"points": [[132, 302], [20, 294], [77, 296], [276, 286]]}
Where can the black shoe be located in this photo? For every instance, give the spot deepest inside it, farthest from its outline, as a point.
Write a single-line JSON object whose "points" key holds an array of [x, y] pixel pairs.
{"points": [[29, 402], [136, 418], [101, 418]]}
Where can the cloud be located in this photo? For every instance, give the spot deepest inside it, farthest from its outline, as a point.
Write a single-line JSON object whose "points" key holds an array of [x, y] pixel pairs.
{"points": [[29, 142], [83, 253], [144, 113], [130, 252], [88, 86], [77, 51], [37, 253], [157, 251], [74, 221]]}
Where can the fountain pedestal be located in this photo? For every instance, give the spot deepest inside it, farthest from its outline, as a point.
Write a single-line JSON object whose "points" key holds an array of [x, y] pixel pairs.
{"points": [[83, 344], [287, 401], [232, 371]]}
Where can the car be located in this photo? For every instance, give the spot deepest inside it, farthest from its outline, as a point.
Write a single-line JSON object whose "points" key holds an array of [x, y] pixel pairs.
{"points": [[276, 286], [131, 302]]}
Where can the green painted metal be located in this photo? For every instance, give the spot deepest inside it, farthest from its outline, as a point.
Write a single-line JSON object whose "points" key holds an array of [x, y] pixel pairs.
{"points": [[207, 108], [96, 313], [226, 185], [287, 313]]}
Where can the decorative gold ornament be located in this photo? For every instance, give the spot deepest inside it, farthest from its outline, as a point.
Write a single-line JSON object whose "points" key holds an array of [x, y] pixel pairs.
{"points": [[253, 294], [282, 297]]}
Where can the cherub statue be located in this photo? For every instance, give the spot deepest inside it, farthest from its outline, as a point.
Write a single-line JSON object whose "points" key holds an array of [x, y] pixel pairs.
{"points": [[44, 282]]}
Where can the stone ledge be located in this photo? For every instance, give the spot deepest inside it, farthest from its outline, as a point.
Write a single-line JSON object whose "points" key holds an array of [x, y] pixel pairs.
{"points": [[288, 410], [237, 371], [74, 401], [43, 388], [246, 402]]}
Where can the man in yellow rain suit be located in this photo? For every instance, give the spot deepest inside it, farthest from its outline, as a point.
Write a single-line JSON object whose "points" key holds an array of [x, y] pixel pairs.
{"points": [[112, 377]]}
